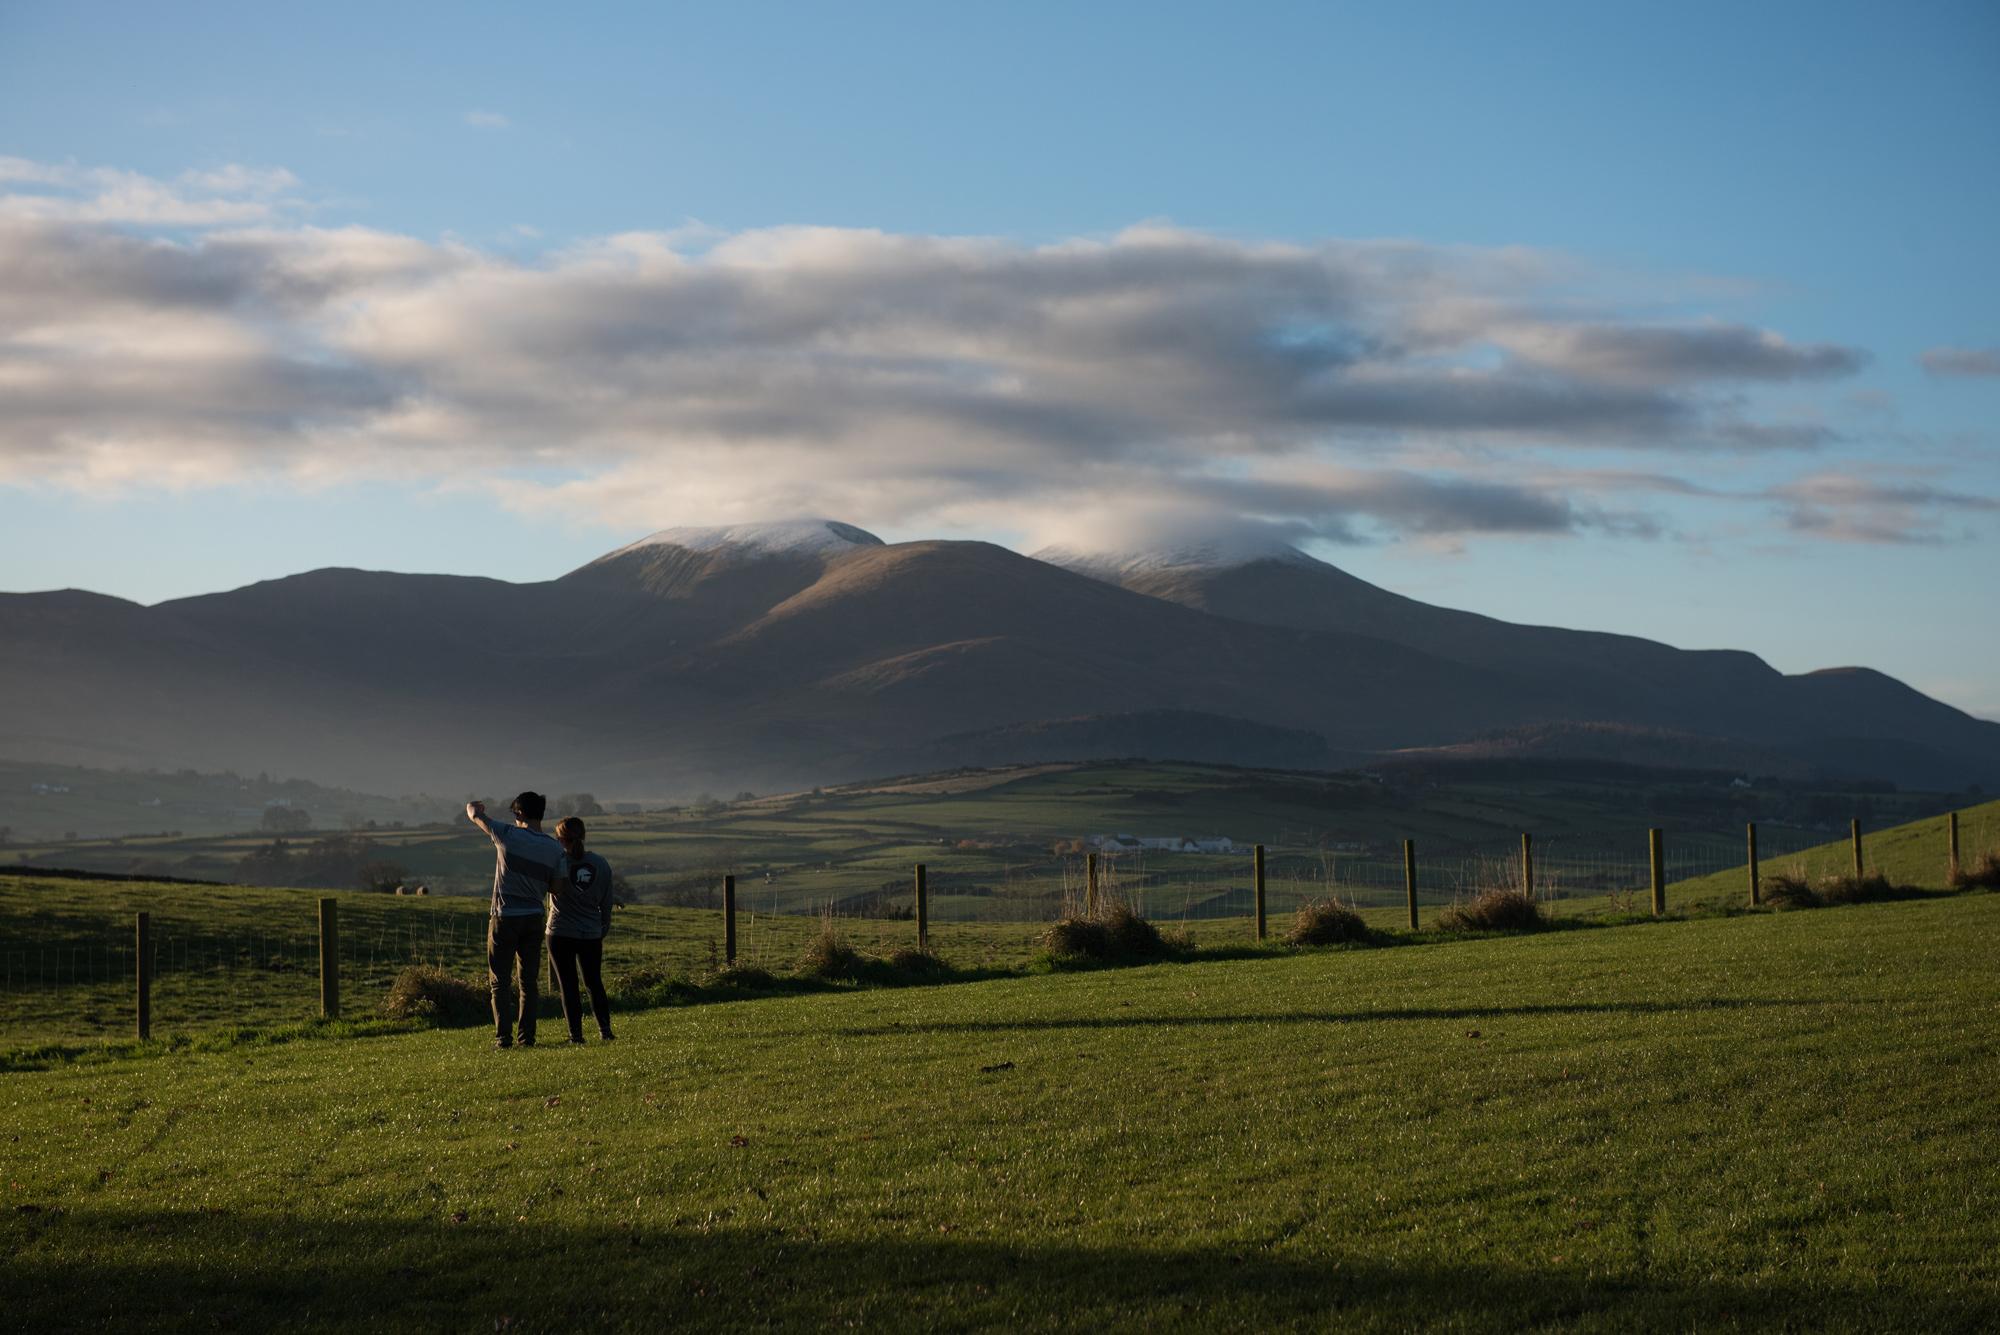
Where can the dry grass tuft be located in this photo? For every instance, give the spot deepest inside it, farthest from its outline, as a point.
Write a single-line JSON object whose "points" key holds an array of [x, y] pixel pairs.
{"points": [[1497, 910], [1868, 889], [829, 958], [1325, 922], [1794, 890], [1117, 932], [1981, 875], [426, 992], [910, 964], [1789, 890]]}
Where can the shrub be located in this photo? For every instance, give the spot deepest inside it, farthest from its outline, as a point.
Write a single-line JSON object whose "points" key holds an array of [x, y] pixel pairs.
{"points": [[1496, 910], [426, 992], [1325, 922], [1981, 875], [830, 958]]}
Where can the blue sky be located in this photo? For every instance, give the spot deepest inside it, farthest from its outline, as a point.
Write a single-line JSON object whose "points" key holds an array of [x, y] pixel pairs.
{"points": [[1615, 316]]}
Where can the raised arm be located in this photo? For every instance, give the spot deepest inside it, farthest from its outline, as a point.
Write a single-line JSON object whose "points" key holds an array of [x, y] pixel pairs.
{"points": [[476, 813]]}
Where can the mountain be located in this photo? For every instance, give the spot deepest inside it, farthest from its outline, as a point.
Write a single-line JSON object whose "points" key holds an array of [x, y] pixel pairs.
{"points": [[784, 655], [1838, 721]]}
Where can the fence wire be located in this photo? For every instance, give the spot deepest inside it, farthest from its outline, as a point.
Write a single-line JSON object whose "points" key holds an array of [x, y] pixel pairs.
{"points": [[61, 980]]}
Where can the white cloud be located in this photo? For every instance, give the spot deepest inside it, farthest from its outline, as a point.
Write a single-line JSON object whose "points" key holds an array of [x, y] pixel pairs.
{"points": [[1340, 390], [65, 192], [487, 120]]}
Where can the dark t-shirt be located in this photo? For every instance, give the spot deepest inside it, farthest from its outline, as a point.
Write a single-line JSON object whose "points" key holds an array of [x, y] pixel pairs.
{"points": [[581, 906]]}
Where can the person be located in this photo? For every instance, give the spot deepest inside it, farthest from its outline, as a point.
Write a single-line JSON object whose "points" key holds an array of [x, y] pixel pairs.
{"points": [[579, 920], [524, 872]]}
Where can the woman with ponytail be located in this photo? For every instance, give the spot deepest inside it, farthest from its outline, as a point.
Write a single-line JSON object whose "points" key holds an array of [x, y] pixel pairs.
{"points": [[579, 920]]}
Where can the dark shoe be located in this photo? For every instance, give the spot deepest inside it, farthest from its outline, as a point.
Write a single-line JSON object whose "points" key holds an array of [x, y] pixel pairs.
{"points": [[605, 1037], [503, 1043], [527, 1042], [576, 1039]]}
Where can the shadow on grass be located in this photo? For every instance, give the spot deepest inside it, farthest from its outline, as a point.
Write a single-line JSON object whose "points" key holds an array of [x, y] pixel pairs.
{"points": [[1324, 1017], [208, 1269]]}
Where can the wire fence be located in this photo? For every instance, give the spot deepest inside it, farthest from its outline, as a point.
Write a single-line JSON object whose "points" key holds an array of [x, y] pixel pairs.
{"points": [[985, 907]]}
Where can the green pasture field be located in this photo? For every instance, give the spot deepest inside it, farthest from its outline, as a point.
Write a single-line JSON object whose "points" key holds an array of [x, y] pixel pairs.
{"points": [[1772, 1121], [238, 956], [40, 801], [989, 839], [1911, 854], [232, 956]]}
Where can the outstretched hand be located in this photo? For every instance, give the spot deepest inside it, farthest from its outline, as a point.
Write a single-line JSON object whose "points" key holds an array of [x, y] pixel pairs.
{"points": [[474, 810]]}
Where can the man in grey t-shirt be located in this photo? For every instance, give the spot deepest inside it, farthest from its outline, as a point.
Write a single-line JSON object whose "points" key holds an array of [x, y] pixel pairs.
{"points": [[524, 873]]}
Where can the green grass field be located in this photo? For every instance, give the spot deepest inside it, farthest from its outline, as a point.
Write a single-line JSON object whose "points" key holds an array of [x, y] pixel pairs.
{"points": [[231, 956], [1909, 854], [1752, 1121], [234, 956], [988, 838]]}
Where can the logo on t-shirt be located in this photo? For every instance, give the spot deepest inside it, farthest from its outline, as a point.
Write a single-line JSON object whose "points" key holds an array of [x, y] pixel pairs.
{"points": [[583, 876]]}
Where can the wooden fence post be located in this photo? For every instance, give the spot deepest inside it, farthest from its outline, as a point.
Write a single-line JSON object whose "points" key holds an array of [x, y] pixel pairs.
{"points": [[144, 943], [728, 920], [329, 958], [1854, 831], [1527, 864], [1090, 885], [1410, 879], [1951, 847], [1657, 855], [1257, 887], [1756, 896], [923, 909]]}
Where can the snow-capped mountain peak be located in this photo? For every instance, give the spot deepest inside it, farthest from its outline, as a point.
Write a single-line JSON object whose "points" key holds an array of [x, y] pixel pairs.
{"points": [[787, 537], [1201, 554]]}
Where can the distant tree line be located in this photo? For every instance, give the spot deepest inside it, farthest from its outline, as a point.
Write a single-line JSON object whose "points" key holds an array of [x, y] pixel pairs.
{"points": [[340, 862]]}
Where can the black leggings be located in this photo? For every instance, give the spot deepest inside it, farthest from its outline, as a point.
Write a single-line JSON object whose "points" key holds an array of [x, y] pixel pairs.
{"points": [[566, 952]]}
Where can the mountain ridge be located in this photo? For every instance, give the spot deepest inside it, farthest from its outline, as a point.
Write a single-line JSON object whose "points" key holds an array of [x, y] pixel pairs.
{"points": [[811, 651]]}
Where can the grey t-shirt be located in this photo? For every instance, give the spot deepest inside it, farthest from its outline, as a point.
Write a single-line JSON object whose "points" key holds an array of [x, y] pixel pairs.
{"points": [[580, 908], [524, 870]]}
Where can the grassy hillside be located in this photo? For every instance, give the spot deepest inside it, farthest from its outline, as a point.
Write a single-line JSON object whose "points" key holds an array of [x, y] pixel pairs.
{"points": [[232, 956], [1766, 1120], [1908, 854], [989, 837], [41, 802]]}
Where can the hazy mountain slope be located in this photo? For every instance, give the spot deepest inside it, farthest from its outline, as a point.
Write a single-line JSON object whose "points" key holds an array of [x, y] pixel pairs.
{"points": [[792, 654], [1845, 720]]}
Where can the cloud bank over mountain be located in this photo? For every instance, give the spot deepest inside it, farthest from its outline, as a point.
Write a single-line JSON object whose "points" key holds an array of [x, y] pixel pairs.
{"points": [[182, 332]]}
